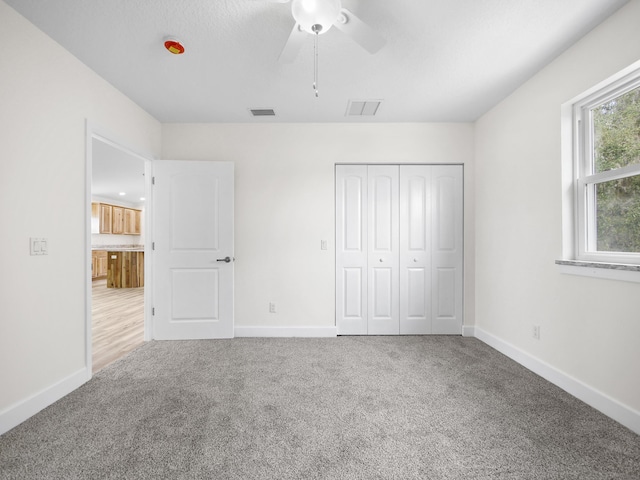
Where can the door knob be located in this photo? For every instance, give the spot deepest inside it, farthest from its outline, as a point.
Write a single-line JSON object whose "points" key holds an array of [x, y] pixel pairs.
{"points": [[225, 259]]}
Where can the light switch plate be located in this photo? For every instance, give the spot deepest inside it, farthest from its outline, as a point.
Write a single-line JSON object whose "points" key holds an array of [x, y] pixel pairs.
{"points": [[38, 246]]}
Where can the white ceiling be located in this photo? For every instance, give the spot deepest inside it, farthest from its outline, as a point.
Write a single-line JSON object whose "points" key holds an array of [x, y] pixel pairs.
{"points": [[444, 60]]}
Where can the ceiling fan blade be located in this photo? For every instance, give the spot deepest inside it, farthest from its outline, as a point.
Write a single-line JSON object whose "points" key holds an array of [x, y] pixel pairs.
{"points": [[359, 31], [292, 47]]}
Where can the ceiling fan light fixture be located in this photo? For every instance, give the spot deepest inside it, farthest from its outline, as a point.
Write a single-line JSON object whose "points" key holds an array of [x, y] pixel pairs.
{"points": [[311, 13]]}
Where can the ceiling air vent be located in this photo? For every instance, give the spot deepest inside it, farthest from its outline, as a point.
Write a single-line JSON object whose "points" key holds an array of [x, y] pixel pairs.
{"points": [[263, 112], [362, 108]]}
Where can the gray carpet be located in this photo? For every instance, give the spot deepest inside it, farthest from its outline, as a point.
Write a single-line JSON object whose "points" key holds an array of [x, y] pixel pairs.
{"points": [[340, 408]]}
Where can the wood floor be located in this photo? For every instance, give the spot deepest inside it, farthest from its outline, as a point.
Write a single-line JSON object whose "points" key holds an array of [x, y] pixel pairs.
{"points": [[117, 320]]}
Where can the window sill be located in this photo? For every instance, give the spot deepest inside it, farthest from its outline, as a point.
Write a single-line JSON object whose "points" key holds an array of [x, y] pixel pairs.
{"points": [[611, 271]]}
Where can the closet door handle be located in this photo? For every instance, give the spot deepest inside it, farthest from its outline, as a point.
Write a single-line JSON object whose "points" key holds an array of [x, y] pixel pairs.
{"points": [[225, 259]]}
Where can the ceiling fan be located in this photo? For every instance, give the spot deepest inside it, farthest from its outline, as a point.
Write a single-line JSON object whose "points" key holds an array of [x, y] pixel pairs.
{"points": [[317, 17]]}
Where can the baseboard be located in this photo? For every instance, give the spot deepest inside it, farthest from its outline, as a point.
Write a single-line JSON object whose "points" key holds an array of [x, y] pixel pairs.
{"points": [[468, 331], [19, 412], [315, 332], [621, 413]]}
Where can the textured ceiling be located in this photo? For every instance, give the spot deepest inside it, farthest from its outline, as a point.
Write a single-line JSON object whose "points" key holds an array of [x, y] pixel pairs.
{"points": [[444, 60]]}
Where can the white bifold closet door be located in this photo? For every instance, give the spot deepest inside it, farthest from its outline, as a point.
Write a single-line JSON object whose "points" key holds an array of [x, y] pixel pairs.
{"points": [[399, 255]]}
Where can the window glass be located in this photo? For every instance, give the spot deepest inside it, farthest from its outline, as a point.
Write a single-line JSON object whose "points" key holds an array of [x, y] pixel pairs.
{"points": [[618, 215], [616, 132]]}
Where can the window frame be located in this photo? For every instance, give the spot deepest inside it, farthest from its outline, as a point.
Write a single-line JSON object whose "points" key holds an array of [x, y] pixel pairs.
{"points": [[586, 179]]}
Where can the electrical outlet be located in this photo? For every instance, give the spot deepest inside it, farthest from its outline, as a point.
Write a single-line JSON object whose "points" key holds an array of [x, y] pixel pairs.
{"points": [[536, 332], [272, 307]]}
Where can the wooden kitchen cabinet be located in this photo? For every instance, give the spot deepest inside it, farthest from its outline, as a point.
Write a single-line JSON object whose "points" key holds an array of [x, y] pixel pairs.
{"points": [[118, 220], [106, 218], [132, 221], [95, 217], [115, 220], [125, 269], [99, 264]]}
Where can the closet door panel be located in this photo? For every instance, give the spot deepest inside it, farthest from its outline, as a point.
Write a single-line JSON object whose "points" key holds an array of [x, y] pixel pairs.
{"points": [[447, 249], [353, 293], [415, 292], [383, 261], [399, 249], [351, 249], [415, 249]]}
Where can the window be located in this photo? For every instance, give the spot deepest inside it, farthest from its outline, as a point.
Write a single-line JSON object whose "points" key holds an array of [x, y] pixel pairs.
{"points": [[607, 172]]}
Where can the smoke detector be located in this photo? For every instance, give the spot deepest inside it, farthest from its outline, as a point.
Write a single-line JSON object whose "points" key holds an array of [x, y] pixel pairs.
{"points": [[173, 46]]}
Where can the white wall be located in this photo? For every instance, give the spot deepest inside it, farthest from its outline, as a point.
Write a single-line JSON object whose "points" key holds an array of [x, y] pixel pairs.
{"points": [[590, 328], [284, 203], [46, 95]]}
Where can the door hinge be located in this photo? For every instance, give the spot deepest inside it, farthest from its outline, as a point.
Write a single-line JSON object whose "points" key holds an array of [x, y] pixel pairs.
{"points": [[153, 180], [153, 245], [153, 310]]}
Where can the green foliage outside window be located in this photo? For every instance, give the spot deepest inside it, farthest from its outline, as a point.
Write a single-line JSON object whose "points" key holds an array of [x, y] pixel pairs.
{"points": [[616, 126]]}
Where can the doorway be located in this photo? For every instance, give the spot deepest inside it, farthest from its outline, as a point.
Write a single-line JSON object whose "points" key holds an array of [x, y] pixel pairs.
{"points": [[116, 297]]}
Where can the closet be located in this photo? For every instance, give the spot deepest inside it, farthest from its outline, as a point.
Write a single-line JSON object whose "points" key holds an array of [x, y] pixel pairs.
{"points": [[399, 249]]}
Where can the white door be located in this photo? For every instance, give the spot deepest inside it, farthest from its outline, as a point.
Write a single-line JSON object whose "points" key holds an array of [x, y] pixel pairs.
{"points": [[403, 227], [383, 260], [415, 250], [351, 249], [447, 249], [193, 250]]}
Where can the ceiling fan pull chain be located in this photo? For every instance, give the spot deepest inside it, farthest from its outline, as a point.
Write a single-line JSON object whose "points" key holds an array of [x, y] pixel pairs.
{"points": [[316, 29], [315, 69]]}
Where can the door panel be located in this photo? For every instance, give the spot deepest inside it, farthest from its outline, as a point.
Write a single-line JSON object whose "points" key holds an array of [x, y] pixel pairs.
{"points": [[195, 294], [417, 198], [193, 228], [353, 293], [447, 255], [382, 211], [383, 294], [445, 293], [445, 221], [383, 260], [351, 249], [416, 308], [195, 205], [354, 190], [415, 249]]}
